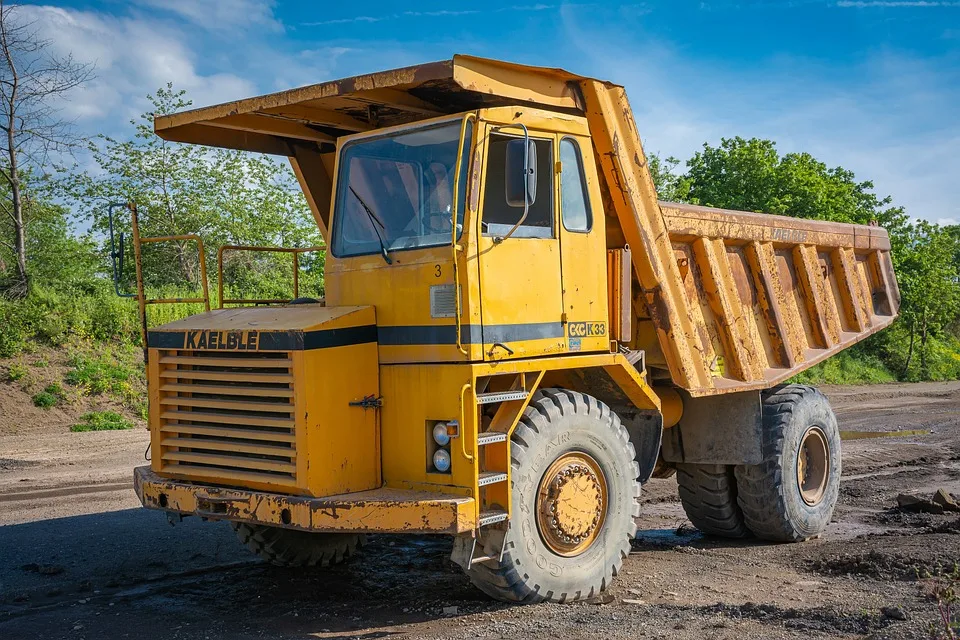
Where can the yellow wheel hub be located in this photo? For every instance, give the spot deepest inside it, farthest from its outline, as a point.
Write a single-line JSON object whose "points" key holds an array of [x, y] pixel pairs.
{"points": [[571, 503], [813, 465]]}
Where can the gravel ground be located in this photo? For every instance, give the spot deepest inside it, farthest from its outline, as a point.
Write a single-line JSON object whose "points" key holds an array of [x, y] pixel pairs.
{"points": [[80, 559]]}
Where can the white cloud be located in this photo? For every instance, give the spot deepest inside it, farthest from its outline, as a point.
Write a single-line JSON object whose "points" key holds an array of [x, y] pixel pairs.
{"points": [[891, 119], [219, 15], [133, 57]]}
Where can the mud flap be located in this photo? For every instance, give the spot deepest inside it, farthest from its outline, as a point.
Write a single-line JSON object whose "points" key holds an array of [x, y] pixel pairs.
{"points": [[722, 429], [646, 433]]}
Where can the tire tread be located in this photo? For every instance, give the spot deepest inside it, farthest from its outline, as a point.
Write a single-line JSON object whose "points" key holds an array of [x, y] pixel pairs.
{"points": [[708, 494], [294, 548]]}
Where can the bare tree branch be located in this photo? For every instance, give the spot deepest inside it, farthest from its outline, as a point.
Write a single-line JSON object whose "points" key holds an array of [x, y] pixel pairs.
{"points": [[32, 82]]}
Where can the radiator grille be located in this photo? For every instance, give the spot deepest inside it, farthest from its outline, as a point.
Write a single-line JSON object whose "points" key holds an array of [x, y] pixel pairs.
{"points": [[228, 417]]}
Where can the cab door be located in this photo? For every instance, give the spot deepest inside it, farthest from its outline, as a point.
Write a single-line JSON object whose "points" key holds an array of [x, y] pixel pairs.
{"points": [[520, 280], [582, 247]]}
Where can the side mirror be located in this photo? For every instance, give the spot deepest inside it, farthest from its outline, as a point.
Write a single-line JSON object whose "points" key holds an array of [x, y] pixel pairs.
{"points": [[521, 173], [116, 255]]}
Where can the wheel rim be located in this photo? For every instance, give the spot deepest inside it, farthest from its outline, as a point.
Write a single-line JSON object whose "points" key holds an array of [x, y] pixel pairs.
{"points": [[813, 465], [571, 504]]}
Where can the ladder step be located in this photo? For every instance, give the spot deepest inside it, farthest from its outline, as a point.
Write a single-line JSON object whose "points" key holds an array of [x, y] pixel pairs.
{"points": [[492, 516], [490, 477], [491, 438], [501, 396]]}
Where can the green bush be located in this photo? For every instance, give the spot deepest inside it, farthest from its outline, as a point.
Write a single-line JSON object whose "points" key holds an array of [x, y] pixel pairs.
{"points": [[114, 319], [102, 421], [50, 396], [16, 371], [100, 374], [12, 334]]}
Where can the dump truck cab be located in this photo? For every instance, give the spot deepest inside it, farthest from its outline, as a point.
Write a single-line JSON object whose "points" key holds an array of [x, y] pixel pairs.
{"points": [[515, 335], [394, 243]]}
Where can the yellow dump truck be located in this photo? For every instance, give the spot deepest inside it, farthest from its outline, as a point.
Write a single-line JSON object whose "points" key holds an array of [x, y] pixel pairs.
{"points": [[515, 336]]}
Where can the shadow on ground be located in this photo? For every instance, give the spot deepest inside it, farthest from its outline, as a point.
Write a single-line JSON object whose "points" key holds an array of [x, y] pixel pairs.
{"points": [[126, 572]]}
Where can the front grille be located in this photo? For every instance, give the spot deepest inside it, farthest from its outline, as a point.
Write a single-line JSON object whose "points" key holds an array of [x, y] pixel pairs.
{"points": [[228, 417]]}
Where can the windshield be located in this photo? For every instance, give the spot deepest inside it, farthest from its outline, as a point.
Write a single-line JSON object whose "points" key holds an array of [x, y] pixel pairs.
{"points": [[395, 192]]}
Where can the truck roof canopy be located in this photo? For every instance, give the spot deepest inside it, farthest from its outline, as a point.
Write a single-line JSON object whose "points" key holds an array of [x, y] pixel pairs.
{"points": [[319, 113]]}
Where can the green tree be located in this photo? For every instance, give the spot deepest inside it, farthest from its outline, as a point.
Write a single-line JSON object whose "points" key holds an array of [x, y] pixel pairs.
{"points": [[224, 196], [928, 276], [751, 175], [670, 186]]}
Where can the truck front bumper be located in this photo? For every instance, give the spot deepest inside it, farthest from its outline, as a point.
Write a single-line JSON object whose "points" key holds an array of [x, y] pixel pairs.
{"points": [[381, 510]]}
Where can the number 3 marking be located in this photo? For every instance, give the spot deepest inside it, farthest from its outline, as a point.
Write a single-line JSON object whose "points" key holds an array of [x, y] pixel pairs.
{"points": [[437, 274]]}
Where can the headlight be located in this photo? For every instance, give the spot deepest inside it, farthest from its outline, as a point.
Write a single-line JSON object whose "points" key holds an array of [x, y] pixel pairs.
{"points": [[441, 460], [440, 435]]}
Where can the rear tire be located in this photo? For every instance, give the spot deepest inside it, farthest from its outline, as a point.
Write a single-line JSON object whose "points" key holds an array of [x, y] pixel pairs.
{"points": [[557, 426], [708, 493], [790, 496], [294, 548]]}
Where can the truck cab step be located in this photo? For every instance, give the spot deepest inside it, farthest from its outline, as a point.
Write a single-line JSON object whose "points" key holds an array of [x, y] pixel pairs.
{"points": [[490, 477], [491, 437], [501, 396], [492, 516]]}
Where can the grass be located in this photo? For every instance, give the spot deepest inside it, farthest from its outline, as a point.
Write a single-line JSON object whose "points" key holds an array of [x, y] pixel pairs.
{"points": [[847, 367], [50, 396], [102, 421]]}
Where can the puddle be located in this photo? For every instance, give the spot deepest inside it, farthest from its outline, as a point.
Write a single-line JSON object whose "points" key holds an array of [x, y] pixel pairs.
{"points": [[861, 435], [668, 537]]}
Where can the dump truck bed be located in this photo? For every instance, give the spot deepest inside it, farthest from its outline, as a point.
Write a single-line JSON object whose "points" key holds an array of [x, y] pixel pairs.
{"points": [[728, 300], [771, 295]]}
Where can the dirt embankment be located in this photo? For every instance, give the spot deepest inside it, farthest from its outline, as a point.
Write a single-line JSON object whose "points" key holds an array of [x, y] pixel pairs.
{"points": [[81, 560], [43, 464]]}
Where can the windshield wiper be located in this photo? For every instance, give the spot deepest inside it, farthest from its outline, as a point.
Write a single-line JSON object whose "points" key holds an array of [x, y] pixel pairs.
{"points": [[376, 223]]}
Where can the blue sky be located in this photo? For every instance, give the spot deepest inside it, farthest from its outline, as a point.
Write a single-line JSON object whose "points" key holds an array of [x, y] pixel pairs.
{"points": [[873, 86]]}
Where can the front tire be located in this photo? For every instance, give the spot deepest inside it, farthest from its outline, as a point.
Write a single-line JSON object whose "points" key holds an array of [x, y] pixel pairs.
{"points": [[294, 548], [575, 490], [790, 496]]}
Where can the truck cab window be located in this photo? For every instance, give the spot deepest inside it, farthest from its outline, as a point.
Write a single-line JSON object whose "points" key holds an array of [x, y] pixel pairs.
{"points": [[498, 216], [395, 192], [574, 202]]}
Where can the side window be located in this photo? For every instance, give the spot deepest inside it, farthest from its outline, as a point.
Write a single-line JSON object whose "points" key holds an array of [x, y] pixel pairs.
{"points": [[574, 202], [498, 216]]}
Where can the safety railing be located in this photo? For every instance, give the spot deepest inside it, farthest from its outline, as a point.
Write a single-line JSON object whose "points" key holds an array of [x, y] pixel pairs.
{"points": [[296, 251], [117, 258]]}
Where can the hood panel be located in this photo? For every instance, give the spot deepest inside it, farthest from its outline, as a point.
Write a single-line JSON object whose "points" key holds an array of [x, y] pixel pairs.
{"points": [[303, 317]]}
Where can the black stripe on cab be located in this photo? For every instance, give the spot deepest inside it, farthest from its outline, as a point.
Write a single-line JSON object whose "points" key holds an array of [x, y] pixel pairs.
{"points": [[276, 340], [469, 333]]}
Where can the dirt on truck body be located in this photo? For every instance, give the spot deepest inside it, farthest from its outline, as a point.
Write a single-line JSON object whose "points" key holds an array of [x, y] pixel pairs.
{"points": [[515, 336]]}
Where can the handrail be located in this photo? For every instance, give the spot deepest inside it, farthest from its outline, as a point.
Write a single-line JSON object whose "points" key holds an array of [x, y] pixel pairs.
{"points": [[526, 184], [463, 428], [296, 251], [456, 246]]}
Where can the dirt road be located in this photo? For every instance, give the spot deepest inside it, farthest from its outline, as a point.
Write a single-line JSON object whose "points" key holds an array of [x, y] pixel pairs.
{"points": [[79, 559]]}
